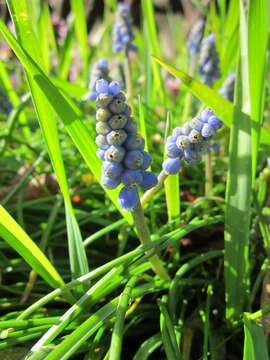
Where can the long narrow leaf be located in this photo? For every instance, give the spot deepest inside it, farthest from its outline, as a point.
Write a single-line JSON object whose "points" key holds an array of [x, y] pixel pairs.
{"points": [[171, 184], [15, 236], [255, 345], [258, 21], [80, 15], [238, 196]]}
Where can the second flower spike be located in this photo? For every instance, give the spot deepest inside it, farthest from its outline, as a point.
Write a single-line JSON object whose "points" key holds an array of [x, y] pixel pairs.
{"points": [[188, 142]]}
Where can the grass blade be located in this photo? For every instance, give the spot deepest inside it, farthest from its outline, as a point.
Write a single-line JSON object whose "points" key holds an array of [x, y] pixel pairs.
{"points": [[230, 39], [238, 197], [46, 35], [149, 16], [257, 42], [117, 334], [6, 83], [142, 123], [78, 337], [168, 333], [66, 53], [77, 258], [171, 185], [80, 17], [148, 347], [15, 236], [255, 345]]}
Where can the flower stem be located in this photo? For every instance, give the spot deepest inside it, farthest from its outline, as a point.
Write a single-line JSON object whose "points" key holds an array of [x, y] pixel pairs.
{"points": [[144, 236], [208, 173], [148, 194]]}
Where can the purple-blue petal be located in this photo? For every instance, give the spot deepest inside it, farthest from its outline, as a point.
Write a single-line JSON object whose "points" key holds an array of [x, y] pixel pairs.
{"points": [[149, 180], [128, 198], [171, 166]]}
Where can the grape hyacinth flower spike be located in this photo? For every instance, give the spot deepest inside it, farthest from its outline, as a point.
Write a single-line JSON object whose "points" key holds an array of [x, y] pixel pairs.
{"points": [[189, 141], [186, 143], [227, 88], [122, 30], [100, 71], [196, 36], [121, 148], [209, 60], [125, 162]]}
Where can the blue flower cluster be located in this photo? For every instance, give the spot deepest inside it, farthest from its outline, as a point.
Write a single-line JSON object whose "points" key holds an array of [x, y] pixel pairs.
{"points": [[120, 147], [188, 142], [5, 105], [100, 71], [196, 36], [227, 88], [122, 30], [209, 60]]}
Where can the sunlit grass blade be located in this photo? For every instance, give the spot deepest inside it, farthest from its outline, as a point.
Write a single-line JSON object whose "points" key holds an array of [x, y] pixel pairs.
{"points": [[142, 123], [222, 107], [15, 236], [100, 289], [80, 18], [46, 35], [206, 320], [68, 112], [79, 336], [7, 85], [168, 334], [238, 196], [117, 334], [149, 16], [65, 58], [230, 40], [69, 88], [255, 344], [12, 95], [171, 184], [257, 42], [148, 347], [78, 262], [21, 16]]}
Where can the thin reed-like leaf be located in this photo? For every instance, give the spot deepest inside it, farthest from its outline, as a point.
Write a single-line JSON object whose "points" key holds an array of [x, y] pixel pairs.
{"points": [[80, 22], [238, 196], [15, 236], [255, 345], [257, 42], [149, 16], [148, 347], [171, 184]]}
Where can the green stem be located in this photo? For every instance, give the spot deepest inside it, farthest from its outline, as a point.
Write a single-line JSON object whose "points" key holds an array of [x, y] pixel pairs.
{"points": [[258, 314], [149, 194], [118, 329], [208, 173], [144, 236]]}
